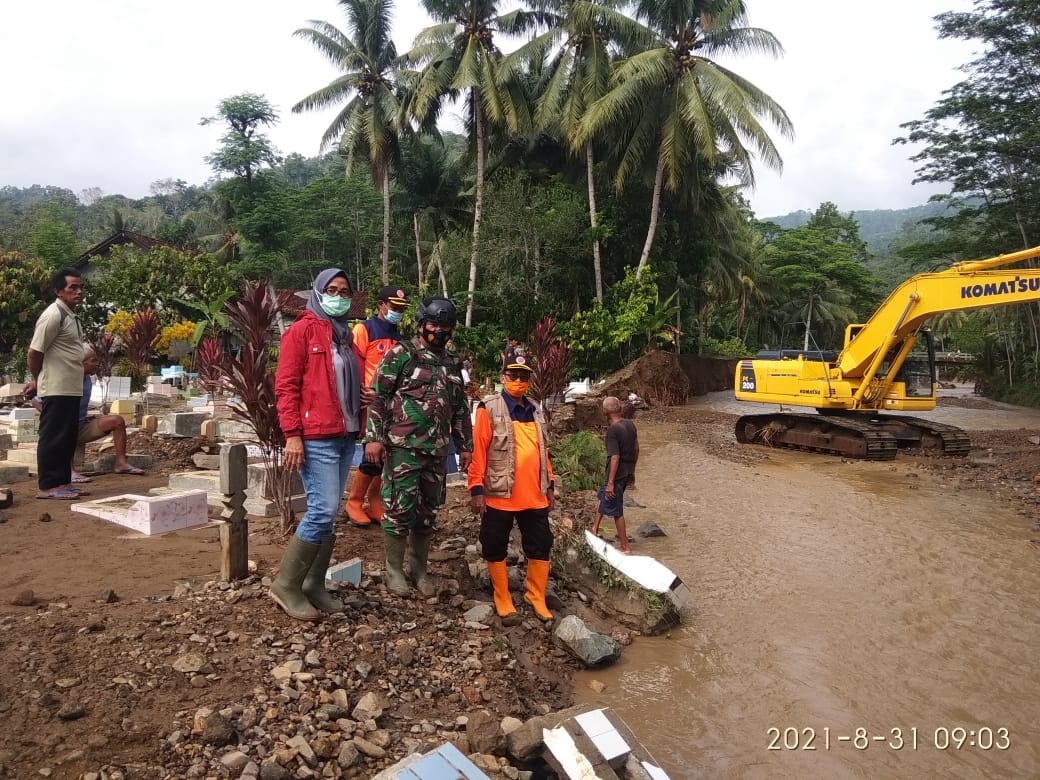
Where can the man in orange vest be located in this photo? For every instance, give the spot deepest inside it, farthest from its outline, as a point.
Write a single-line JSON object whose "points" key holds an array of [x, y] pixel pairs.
{"points": [[372, 339], [510, 479]]}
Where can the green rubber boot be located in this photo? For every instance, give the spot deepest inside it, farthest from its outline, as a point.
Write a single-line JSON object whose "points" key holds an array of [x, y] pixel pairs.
{"points": [[314, 582], [418, 553], [287, 588], [394, 577]]}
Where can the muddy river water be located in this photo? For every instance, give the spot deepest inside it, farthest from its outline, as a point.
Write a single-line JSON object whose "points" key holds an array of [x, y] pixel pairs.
{"points": [[847, 619]]}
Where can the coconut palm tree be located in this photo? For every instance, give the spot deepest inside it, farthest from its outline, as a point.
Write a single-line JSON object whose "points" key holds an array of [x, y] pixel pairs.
{"points": [[674, 103], [370, 122], [582, 41], [459, 57], [431, 178]]}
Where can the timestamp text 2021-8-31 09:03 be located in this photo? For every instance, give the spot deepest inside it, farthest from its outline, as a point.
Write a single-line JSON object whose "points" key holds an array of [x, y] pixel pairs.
{"points": [[898, 738]]}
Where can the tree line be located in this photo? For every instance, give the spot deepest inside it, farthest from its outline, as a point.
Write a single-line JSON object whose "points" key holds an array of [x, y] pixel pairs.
{"points": [[598, 182]]}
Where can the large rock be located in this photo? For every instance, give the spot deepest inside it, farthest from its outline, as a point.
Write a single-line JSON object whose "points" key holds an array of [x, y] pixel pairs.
{"points": [[591, 648], [484, 732], [217, 731], [525, 742]]}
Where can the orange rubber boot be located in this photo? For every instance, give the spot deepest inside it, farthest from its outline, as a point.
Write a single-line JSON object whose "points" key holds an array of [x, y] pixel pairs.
{"points": [[356, 500], [537, 579], [375, 503], [503, 601]]}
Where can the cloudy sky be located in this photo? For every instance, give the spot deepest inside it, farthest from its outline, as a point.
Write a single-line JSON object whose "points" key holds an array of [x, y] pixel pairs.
{"points": [[109, 93]]}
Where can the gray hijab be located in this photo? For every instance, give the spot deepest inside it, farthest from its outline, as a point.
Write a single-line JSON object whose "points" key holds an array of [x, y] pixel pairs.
{"points": [[348, 382]]}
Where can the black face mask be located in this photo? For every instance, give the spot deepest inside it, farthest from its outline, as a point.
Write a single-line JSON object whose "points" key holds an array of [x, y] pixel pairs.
{"points": [[438, 339]]}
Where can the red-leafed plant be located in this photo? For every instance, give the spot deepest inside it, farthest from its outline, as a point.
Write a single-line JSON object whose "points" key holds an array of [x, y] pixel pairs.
{"points": [[552, 359], [210, 360], [248, 374], [104, 349], [138, 341]]}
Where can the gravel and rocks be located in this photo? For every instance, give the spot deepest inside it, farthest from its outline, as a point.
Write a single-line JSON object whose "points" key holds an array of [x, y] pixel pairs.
{"points": [[210, 679]]}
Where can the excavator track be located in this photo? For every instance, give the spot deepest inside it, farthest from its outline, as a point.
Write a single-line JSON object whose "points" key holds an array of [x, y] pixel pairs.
{"points": [[926, 434], [834, 435]]}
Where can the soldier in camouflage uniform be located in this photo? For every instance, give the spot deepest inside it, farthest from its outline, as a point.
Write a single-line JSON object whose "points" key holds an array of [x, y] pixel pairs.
{"points": [[419, 402]]}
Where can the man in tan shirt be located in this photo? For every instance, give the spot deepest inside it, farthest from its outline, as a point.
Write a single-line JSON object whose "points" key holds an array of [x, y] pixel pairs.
{"points": [[55, 360]]}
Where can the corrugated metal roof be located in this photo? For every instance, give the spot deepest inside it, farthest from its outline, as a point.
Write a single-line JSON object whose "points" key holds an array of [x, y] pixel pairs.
{"points": [[121, 238]]}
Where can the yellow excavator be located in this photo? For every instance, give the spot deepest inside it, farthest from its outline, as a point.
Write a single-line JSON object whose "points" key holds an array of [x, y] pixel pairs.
{"points": [[887, 365]]}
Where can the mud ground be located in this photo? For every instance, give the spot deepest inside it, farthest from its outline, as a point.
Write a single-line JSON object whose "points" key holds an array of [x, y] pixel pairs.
{"points": [[73, 645]]}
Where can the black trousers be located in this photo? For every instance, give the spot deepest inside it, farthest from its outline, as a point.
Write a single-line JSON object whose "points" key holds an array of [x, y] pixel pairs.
{"points": [[535, 535], [59, 428]]}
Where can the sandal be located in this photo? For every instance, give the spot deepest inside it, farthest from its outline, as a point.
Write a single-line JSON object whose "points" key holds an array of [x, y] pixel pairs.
{"points": [[129, 470], [60, 495], [80, 478]]}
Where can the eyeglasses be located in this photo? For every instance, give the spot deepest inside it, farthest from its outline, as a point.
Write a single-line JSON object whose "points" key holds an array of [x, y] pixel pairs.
{"points": [[342, 292]]}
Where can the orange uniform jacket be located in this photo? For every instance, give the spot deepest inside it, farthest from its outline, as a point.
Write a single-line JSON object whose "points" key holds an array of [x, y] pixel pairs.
{"points": [[372, 339], [527, 491]]}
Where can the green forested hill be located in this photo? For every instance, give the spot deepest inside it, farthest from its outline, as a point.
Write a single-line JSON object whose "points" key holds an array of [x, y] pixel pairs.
{"points": [[878, 227]]}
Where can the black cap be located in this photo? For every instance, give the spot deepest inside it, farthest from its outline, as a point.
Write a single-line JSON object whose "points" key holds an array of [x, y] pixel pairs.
{"points": [[391, 293], [519, 363]]}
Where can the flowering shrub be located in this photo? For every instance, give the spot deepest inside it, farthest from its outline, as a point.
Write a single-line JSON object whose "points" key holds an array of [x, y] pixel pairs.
{"points": [[182, 331], [119, 322]]}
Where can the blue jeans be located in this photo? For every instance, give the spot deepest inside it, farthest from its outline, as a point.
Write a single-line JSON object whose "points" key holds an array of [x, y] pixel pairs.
{"points": [[326, 463]]}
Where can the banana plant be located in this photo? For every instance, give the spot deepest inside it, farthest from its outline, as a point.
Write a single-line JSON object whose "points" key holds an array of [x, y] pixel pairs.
{"points": [[213, 318]]}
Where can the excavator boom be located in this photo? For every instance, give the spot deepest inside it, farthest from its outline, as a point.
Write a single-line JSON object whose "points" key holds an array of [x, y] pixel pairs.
{"points": [[887, 365]]}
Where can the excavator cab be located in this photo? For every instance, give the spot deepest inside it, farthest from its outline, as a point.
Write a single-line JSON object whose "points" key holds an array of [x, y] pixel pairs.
{"points": [[915, 376]]}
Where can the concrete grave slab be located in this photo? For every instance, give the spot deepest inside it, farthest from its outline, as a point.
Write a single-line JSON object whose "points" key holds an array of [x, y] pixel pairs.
{"points": [[13, 472], [105, 463], [150, 514], [209, 481], [113, 389], [25, 456], [182, 423], [11, 390], [259, 482], [234, 429], [264, 507], [646, 571], [598, 743], [125, 408], [347, 571], [443, 763], [24, 431]]}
